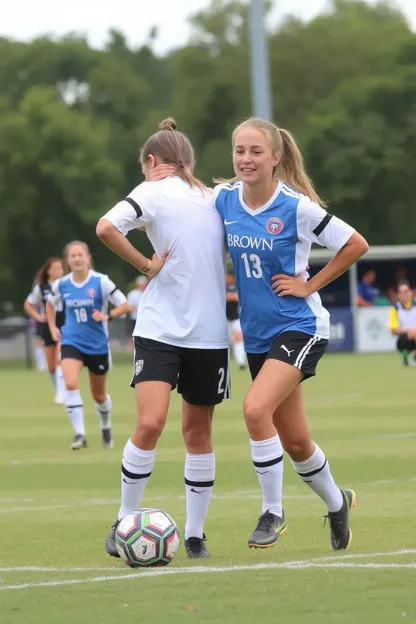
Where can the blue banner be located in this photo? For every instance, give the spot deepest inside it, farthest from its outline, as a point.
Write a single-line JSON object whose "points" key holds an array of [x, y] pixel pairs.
{"points": [[342, 335]]}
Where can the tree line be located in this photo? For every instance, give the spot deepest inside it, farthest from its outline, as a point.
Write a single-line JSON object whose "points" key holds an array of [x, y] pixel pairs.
{"points": [[72, 119]]}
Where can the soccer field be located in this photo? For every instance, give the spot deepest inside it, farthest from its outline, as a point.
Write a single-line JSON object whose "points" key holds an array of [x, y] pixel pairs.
{"points": [[56, 507]]}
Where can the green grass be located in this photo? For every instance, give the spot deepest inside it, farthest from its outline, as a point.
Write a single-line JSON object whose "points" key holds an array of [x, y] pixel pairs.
{"points": [[56, 507]]}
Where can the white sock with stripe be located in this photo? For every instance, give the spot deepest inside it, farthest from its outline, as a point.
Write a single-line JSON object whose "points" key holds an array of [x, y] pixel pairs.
{"points": [[136, 468], [75, 409], [315, 472], [267, 456], [104, 412], [199, 481]]}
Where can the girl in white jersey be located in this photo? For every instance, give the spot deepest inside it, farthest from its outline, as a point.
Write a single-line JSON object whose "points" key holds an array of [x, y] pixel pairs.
{"points": [[181, 329], [272, 215], [34, 306]]}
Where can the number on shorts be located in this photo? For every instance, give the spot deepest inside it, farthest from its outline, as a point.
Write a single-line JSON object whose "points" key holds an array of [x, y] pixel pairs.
{"points": [[252, 265], [81, 314], [221, 375]]}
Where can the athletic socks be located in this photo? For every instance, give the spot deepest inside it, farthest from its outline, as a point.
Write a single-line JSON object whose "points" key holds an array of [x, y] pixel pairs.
{"points": [[199, 481], [104, 412], [267, 456], [75, 409], [316, 473], [136, 468]]}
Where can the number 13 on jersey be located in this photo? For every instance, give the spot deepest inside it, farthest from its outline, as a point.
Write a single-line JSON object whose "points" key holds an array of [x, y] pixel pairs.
{"points": [[252, 265]]}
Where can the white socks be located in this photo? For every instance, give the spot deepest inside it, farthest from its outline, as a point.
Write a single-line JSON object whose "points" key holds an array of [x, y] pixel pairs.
{"points": [[136, 468], [40, 359], [59, 382], [75, 409], [316, 473], [267, 456], [104, 412], [199, 481]]}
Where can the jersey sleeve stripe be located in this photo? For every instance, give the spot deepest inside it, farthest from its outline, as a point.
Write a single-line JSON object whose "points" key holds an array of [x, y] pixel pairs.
{"points": [[114, 290], [322, 225], [136, 206]]}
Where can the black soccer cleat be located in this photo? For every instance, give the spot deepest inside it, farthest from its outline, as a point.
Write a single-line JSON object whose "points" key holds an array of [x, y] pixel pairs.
{"points": [[78, 442], [195, 547], [110, 545], [341, 534], [269, 528], [107, 437]]}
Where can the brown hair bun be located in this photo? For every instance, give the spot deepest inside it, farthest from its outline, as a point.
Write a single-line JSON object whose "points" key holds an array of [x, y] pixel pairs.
{"points": [[168, 124]]}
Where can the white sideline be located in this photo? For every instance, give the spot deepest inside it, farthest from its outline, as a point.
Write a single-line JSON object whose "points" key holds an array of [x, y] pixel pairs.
{"points": [[330, 558], [322, 562]]}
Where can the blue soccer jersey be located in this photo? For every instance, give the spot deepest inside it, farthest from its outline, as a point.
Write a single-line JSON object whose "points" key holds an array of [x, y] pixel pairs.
{"points": [[276, 238], [81, 330]]}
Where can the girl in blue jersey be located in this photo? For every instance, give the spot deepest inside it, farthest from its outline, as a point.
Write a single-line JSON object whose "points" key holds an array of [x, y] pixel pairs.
{"points": [[34, 306], [272, 215], [84, 338]]}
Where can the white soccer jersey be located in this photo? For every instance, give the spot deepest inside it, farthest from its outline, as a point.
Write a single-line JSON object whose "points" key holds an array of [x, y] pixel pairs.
{"points": [[184, 305], [35, 297]]}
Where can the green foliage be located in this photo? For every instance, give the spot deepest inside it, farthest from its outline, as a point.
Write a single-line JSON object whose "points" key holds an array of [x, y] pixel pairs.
{"points": [[72, 120]]}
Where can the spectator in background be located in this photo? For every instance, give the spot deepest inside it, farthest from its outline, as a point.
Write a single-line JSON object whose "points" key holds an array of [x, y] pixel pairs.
{"points": [[401, 276], [402, 322], [133, 298], [367, 292]]}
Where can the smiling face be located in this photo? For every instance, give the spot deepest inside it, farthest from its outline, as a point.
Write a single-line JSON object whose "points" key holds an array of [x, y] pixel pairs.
{"points": [[78, 258], [253, 159]]}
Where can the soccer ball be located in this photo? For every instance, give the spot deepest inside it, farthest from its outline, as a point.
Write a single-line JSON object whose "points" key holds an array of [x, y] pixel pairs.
{"points": [[146, 538]]}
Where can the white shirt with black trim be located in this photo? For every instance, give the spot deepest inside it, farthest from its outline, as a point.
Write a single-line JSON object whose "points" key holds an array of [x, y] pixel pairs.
{"points": [[184, 305]]}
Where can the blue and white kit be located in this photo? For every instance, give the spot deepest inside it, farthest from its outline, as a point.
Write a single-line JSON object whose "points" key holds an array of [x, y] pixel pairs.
{"points": [[276, 238], [81, 330]]}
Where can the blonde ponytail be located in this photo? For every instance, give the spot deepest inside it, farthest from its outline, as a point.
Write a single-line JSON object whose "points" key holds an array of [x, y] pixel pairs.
{"points": [[291, 168]]}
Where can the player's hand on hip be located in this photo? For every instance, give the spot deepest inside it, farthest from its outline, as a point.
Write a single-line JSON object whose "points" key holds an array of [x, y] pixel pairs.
{"points": [[155, 265], [284, 285], [160, 172]]}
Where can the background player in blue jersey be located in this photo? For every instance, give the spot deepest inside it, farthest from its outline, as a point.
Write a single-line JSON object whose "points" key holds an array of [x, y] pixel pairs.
{"points": [[272, 215], [84, 338], [34, 306]]}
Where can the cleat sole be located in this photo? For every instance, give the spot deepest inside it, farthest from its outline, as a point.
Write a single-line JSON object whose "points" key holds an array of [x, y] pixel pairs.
{"points": [[282, 532]]}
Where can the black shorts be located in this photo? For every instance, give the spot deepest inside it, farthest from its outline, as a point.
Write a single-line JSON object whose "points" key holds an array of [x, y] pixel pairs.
{"points": [[45, 334], [293, 347], [201, 375], [405, 344], [39, 329], [97, 364]]}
